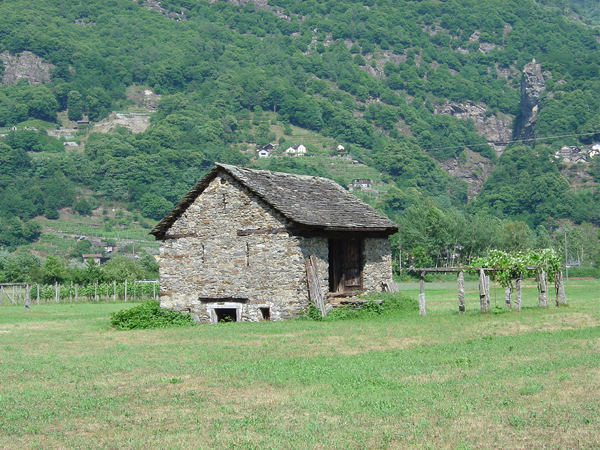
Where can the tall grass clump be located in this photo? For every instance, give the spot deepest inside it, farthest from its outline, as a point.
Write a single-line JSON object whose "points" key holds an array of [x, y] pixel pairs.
{"points": [[390, 304], [149, 315]]}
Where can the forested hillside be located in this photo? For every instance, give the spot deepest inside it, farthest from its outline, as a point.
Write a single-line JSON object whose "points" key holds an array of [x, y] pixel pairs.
{"points": [[475, 119]]}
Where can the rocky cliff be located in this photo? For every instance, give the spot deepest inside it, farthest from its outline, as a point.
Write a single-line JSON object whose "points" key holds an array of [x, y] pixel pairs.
{"points": [[496, 128], [533, 85], [471, 168], [26, 66]]}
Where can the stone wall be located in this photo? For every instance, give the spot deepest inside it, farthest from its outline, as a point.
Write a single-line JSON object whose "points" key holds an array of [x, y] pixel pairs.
{"points": [[378, 264], [208, 260], [205, 263]]}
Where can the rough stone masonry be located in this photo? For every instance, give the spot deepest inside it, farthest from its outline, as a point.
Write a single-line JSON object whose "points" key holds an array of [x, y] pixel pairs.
{"points": [[229, 249]]}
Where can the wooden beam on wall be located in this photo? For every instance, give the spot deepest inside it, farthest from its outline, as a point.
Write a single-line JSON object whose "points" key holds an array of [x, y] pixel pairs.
{"points": [[314, 284]]}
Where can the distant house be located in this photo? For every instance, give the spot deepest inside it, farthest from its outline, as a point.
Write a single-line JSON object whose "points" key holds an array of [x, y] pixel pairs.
{"points": [[241, 243], [109, 248], [96, 258], [83, 122], [362, 183], [268, 147], [575, 154], [296, 150], [341, 149], [70, 144], [264, 154]]}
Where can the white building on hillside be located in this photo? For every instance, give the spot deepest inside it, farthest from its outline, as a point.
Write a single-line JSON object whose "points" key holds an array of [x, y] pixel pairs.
{"points": [[296, 150]]}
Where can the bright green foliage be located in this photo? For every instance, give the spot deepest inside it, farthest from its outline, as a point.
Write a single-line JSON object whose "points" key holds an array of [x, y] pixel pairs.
{"points": [[392, 304], [53, 270], [121, 268], [75, 105], [18, 267], [149, 315], [526, 185], [518, 265]]}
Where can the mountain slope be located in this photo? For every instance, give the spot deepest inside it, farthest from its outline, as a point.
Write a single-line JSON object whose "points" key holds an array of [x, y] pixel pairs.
{"points": [[409, 88]]}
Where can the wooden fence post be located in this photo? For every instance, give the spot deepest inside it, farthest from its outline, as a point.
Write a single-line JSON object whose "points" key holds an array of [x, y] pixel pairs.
{"points": [[125, 290], [70, 294], [518, 293], [542, 288], [14, 299], [76, 293], [461, 292], [114, 291], [154, 291], [559, 289], [27, 296], [484, 299], [95, 291], [507, 294], [37, 294], [56, 294], [422, 310]]}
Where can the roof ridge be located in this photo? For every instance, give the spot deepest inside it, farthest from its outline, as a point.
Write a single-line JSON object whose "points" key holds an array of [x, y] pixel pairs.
{"points": [[306, 200], [273, 172]]}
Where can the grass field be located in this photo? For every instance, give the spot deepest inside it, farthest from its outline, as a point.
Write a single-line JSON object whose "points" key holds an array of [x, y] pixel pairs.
{"points": [[503, 379]]}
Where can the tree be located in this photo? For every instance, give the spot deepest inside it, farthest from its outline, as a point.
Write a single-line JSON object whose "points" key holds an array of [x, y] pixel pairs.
{"points": [[53, 270], [154, 206], [81, 246], [75, 105], [121, 268], [516, 236], [83, 207]]}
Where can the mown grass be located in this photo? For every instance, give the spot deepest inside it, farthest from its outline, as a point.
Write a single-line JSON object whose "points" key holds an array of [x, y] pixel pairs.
{"points": [[527, 379]]}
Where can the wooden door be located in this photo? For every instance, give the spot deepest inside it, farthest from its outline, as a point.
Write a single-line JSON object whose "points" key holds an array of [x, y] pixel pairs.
{"points": [[345, 265]]}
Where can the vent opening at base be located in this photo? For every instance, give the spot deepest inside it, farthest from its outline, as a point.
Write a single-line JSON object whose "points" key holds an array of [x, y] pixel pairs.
{"points": [[265, 313], [226, 314]]}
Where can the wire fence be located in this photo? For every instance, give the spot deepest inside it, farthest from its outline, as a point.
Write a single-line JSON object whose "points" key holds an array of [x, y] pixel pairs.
{"points": [[34, 293]]}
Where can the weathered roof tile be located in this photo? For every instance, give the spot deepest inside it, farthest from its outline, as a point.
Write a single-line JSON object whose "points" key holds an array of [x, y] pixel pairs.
{"points": [[305, 200]]}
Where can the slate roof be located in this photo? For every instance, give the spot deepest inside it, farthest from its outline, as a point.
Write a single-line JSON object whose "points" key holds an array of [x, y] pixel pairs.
{"points": [[308, 201]]}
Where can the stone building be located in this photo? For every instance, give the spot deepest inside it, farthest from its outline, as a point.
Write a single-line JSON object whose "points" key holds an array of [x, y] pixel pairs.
{"points": [[234, 247]]}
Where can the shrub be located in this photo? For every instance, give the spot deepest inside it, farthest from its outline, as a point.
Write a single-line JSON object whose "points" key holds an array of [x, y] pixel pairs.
{"points": [[149, 315], [368, 309], [392, 304]]}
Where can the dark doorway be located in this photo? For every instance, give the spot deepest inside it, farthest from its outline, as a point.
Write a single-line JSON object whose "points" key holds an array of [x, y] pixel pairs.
{"points": [[226, 314], [265, 313], [345, 265]]}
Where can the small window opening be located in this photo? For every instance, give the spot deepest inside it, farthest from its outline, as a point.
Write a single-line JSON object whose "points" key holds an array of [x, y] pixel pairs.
{"points": [[226, 314], [224, 199], [265, 313], [247, 255]]}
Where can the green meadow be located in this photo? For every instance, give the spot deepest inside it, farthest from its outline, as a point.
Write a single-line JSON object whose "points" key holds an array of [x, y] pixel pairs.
{"points": [[503, 379]]}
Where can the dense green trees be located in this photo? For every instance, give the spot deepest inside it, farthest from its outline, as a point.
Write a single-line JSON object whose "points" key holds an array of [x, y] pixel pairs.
{"points": [[369, 77], [526, 184], [20, 267]]}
